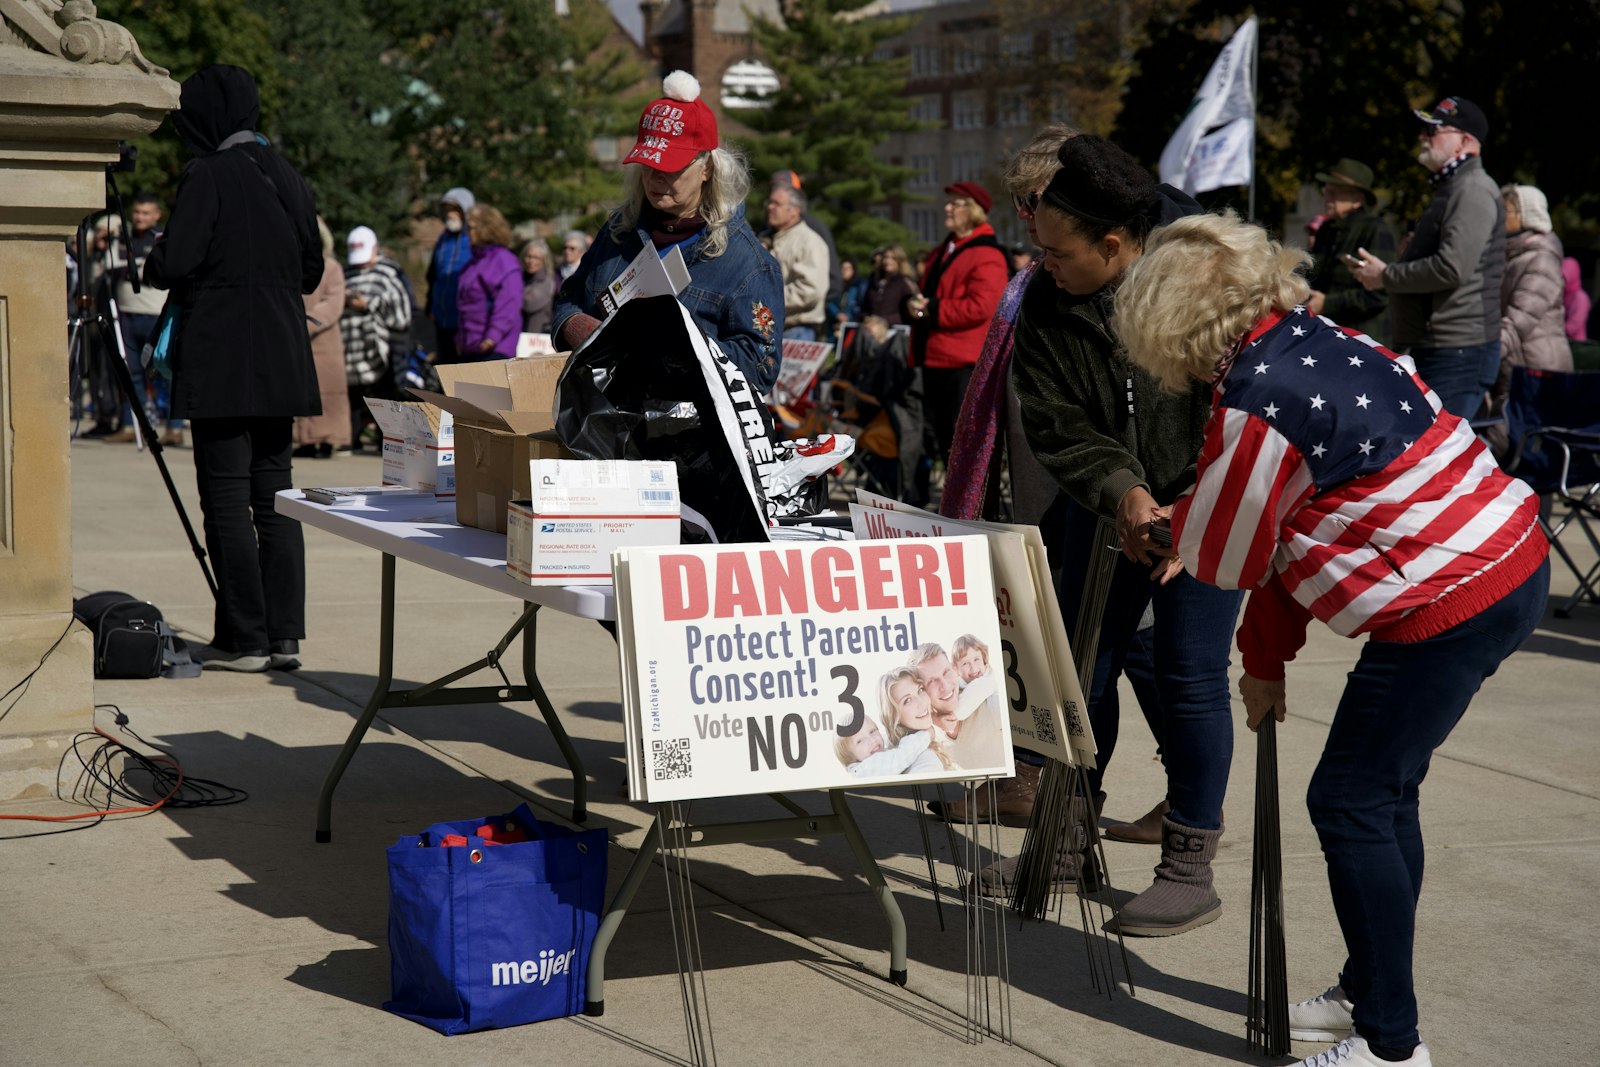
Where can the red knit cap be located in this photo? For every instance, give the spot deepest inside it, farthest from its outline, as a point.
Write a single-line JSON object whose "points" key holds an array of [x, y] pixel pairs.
{"points": [[676, 128]]}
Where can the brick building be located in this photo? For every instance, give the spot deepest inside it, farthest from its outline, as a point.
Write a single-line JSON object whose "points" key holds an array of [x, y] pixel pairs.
{"points": [[710, 39]]}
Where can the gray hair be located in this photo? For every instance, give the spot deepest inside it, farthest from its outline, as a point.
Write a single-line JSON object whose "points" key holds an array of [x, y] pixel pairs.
{"points": [[796, 197], [576, 235], [727, 185]]}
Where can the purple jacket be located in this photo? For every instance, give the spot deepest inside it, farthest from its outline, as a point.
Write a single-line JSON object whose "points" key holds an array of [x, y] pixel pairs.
{"points": [[489, 299]]}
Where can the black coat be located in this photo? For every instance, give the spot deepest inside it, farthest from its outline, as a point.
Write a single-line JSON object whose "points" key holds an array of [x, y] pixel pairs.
{"points": [[240, 249]]}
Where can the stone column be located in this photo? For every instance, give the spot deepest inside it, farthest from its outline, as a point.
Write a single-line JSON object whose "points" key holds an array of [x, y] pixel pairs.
{"points": [[71, 87]]}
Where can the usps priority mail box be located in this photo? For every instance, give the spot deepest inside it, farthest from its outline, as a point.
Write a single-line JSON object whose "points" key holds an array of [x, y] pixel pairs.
{"points": [[580, 511]]}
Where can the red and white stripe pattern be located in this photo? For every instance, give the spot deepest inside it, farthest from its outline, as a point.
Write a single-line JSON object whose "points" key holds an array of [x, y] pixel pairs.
{"points": [[1312, 473]]}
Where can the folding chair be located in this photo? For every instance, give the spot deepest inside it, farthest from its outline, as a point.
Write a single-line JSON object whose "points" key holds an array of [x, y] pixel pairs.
{"points": [[1553, 423]]}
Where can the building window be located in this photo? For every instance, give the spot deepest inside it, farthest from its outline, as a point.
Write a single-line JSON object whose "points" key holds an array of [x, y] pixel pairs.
{"points": [[924, 171], [925, 61], [966, 166], [925, 223], [926, 109], [1013, 108], [966, 111], [967, 60], [1016, 49], [1063, 44]]}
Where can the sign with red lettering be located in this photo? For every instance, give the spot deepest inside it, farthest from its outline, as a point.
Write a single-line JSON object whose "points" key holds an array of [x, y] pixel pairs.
{"points": [[764, 668]]}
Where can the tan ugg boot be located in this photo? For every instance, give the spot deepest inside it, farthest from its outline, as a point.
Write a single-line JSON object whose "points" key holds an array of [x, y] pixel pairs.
{"points": [[1182, 897]]}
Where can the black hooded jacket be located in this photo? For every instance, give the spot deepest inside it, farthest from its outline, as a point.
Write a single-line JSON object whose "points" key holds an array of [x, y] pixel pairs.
{"points": [[240, 249]]}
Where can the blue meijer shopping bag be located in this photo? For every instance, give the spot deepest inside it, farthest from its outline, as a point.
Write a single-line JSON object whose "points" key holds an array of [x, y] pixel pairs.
{"points": [[483, 936]]}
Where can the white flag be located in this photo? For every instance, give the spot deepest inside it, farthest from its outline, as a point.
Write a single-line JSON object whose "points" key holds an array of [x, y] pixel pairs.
{"points": [[1215, 145]]}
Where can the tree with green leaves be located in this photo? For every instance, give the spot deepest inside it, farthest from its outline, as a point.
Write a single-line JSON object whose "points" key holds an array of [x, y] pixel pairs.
{"points": [[1340, 79], [183, 36], [507, 99], [334, 121], [837, 99]]}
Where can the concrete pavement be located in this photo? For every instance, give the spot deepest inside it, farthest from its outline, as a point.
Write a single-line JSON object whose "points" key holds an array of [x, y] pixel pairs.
{"points": [[226, 936]]}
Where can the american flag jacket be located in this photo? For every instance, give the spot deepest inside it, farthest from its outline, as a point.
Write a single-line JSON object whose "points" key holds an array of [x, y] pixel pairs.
{"points": [[1332, 483]]}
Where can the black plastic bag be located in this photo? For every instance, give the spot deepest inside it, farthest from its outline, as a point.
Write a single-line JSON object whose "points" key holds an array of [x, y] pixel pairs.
{"points": [[650, 385]]}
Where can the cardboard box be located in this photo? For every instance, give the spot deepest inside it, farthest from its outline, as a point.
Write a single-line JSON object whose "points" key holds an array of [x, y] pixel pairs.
{"points": [[418, 446], [498, 406], [580, 511]]}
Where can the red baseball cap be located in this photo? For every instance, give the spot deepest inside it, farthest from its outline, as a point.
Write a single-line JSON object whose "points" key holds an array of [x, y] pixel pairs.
{"points": [[972, 191], [676, 128]]}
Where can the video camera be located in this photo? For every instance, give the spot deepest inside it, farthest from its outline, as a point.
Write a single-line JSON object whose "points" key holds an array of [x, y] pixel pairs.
{"points": [[127, 155]]}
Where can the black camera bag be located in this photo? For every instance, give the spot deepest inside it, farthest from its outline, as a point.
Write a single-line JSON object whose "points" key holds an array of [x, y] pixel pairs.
{"points": [[131, 639]]}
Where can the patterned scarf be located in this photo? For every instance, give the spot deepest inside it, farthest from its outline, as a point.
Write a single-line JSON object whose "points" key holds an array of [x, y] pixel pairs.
{"points": [[972, 471]]}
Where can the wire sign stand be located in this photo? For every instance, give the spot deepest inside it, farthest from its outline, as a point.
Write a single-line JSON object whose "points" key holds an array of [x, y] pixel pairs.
{"points": [[675, 845], [1062, 846], [988, 1001]]}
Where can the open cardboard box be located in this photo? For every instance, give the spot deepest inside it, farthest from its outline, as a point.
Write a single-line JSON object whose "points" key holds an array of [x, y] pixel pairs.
{"points": [[504, 412]]}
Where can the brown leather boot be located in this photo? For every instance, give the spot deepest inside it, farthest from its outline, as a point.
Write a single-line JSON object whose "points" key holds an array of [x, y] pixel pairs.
{"points": [[1074, 861], [1013, 801], [1146, 831]]}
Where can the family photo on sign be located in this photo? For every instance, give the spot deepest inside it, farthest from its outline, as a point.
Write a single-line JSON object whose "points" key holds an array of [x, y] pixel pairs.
{"points": [[938, 713]]}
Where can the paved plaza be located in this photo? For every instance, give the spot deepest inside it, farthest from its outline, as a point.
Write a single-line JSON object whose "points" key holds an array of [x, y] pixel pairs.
{"points": [[226, 936]]}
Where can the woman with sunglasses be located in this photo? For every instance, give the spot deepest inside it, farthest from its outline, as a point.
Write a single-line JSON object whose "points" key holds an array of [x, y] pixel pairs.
{"points": [[1120, 448]]}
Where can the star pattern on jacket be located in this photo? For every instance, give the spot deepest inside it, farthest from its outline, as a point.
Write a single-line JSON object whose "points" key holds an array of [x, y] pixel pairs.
{"points": [[1352, 417]]}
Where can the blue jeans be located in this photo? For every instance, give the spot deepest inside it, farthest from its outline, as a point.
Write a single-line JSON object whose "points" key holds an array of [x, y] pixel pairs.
{"points": [[1461, 376], [1401, 702], [136, 333], [1140, 669], [800, 332], [1193, 632]]}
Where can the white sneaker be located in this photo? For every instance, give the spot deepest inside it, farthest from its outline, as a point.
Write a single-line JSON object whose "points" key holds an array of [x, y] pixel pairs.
{"points": [[1322, 1018], [1353, 1052]]}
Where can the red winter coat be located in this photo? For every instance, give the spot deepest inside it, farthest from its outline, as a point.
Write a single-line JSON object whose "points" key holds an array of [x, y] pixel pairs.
{"points": [[963, 281]]}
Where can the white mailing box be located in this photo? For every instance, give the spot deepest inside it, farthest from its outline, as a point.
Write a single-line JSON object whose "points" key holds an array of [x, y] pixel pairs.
{"points": [[581, 511], [419, 446]]}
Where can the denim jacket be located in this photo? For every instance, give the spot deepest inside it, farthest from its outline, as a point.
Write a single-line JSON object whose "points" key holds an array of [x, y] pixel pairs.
{"points": [[737, 297]]}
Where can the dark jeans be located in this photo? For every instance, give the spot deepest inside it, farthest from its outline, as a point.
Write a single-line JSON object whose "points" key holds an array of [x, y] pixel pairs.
{"points": [[1194, 625], [1461, 376], [1401, 702], [1140, 669], [257, 555], [136, 332], [943, 389]]}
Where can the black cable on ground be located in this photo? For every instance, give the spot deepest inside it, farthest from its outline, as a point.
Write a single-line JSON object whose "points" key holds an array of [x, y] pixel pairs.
{"points": [[143, 782]]}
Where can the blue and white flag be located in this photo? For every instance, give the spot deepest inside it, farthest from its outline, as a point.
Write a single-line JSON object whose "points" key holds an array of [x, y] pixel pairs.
{"points": [[1215, 145]]}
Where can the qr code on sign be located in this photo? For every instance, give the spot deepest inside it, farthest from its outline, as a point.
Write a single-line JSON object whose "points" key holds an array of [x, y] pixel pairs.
{"points": [[672, 759], [1044, 726]]}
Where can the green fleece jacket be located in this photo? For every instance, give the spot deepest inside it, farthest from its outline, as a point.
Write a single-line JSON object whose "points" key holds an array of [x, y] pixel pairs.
{"points": [[1097, 423]]}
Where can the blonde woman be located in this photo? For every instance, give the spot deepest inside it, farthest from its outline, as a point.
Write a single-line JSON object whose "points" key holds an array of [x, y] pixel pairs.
{"points": [[907, 710], [684, 190], [1333, 484]]}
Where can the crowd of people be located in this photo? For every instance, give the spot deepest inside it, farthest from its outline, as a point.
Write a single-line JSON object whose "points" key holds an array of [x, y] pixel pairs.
{"points": [[1299, 422]]}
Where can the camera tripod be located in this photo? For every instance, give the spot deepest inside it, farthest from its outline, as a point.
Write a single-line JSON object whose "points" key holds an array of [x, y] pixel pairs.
{"points": [[87, 317]]}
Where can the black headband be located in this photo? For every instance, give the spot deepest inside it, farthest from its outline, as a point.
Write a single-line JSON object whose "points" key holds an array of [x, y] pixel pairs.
{"points": [[1060, 201]]}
